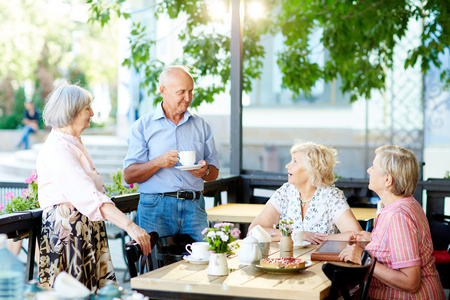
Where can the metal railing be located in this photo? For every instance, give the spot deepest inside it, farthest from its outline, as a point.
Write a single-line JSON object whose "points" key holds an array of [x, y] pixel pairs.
{"points": [[7, 187]]}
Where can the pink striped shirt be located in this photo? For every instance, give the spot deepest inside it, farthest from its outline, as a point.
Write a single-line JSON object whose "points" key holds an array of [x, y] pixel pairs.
{"points": [[400, 239]]}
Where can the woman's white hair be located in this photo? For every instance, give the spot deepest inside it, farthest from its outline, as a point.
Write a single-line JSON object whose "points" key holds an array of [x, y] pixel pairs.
{"points": [[319, 162], [64, 103]]}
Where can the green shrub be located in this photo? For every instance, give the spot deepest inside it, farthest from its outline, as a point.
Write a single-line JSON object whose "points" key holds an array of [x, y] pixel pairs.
{"points": [[117, 188]]}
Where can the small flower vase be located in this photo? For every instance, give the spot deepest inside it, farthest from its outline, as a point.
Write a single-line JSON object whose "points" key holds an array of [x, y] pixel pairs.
{"points": [[218, 264], [286, 246]]}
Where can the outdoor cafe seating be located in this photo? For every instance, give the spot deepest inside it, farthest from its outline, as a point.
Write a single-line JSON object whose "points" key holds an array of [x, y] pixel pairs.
{"points": [[134, 256], [240, 189], [166, 250]]}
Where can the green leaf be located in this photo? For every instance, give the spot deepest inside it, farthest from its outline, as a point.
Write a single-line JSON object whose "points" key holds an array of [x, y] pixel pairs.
{"points": [[359, 38], [117, 187]]}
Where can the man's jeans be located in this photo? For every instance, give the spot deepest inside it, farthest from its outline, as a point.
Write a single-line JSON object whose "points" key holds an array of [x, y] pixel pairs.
{"points": [[169, 215]]}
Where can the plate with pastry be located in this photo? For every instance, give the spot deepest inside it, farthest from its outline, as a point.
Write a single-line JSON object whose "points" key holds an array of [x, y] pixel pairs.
{"points": [[282, 265]]}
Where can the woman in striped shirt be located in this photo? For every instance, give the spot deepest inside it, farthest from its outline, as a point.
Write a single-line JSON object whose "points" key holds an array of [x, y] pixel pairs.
{"points": [[401, 239]]}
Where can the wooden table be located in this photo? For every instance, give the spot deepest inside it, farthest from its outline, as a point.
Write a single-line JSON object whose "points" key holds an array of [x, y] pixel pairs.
{"points": [[246, 213], [189, 281]]}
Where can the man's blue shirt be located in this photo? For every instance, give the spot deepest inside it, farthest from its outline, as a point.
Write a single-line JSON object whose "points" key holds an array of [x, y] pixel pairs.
{"points": [[153, 134]]}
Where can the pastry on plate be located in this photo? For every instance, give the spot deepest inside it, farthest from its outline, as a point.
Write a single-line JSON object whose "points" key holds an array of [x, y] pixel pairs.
{"points": [[282, 263]]}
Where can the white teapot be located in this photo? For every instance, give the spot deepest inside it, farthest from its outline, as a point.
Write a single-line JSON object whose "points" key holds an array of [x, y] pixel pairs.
{"points": [[249, 251]]}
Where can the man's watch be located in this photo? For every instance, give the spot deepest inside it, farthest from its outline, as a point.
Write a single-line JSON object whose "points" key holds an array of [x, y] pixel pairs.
{"points": [[207, 172]]}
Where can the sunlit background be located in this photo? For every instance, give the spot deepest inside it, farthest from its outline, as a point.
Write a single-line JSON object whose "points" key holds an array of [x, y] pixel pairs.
{"points": [[44, 42]]}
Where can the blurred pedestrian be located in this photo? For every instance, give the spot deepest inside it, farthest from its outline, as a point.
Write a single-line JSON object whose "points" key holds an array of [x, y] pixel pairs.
{"points": [[30, 122]]}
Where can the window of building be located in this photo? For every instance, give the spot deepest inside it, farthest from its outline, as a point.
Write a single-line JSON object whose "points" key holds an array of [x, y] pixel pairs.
{"points": [[268, 90]]}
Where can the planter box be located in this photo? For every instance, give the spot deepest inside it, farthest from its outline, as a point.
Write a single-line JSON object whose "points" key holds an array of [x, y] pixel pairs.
{"points": [[18, 224], [127, 203], [22, 224]]}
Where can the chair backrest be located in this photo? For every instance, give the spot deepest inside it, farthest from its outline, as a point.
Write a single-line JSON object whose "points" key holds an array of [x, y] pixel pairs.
{"points": [[133, 253], [442, 256], [367, 225], [172, 248], [344, 276]]}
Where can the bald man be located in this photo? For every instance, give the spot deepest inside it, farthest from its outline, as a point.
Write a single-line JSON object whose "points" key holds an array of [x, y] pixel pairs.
{"points": [[171, 199]]}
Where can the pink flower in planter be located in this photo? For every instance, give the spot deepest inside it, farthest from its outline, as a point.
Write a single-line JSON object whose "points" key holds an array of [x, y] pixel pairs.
{"points": [[131, 186], [9, 195], [2, 206], [31, 179], [24, 193]]}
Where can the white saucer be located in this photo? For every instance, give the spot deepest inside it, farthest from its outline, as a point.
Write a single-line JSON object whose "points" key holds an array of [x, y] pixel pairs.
{"points": [[195, 261], [304, 244], [189, 167]]}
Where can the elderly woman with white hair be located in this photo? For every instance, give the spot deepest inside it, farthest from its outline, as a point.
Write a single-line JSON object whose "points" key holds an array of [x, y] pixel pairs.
{"points": [[72, 196], [309, 198], [401, 239]]}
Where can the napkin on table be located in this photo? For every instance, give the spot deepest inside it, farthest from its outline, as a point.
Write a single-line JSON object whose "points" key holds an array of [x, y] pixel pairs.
{"points": [[68, 287], [260, 234]]}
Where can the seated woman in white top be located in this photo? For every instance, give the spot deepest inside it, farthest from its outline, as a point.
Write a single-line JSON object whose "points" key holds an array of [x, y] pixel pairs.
{"points": [[309, 198]]}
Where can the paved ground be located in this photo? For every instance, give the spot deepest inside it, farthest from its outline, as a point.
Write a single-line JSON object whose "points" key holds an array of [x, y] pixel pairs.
{"points": [[8, 177]]}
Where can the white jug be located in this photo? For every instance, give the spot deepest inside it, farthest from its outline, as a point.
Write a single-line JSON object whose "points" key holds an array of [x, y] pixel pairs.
{"points": [[218, 264], [249, 251]]}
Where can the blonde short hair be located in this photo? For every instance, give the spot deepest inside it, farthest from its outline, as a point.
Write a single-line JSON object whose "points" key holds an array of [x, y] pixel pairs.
{"points": [[319, 162], [403, 167], [64, 103]]}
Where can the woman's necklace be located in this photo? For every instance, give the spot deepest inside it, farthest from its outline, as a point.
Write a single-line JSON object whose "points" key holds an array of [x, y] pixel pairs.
{"points": [[303, 203]]}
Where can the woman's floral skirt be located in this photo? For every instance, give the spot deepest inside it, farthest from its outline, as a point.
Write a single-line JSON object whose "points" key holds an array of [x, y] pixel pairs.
{"points": [[72, 243]]}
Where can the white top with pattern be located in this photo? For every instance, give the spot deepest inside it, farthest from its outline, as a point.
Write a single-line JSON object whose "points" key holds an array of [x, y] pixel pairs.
{"points": [[326, 206]]}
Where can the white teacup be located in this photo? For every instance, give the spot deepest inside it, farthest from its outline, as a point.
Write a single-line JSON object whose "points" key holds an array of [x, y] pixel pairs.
{"points": [[297, 237], [198, 250], [187, 157]]}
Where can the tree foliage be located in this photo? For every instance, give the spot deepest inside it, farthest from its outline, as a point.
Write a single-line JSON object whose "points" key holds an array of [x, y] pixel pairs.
{"points": [[359, 37], [43, 41]]}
